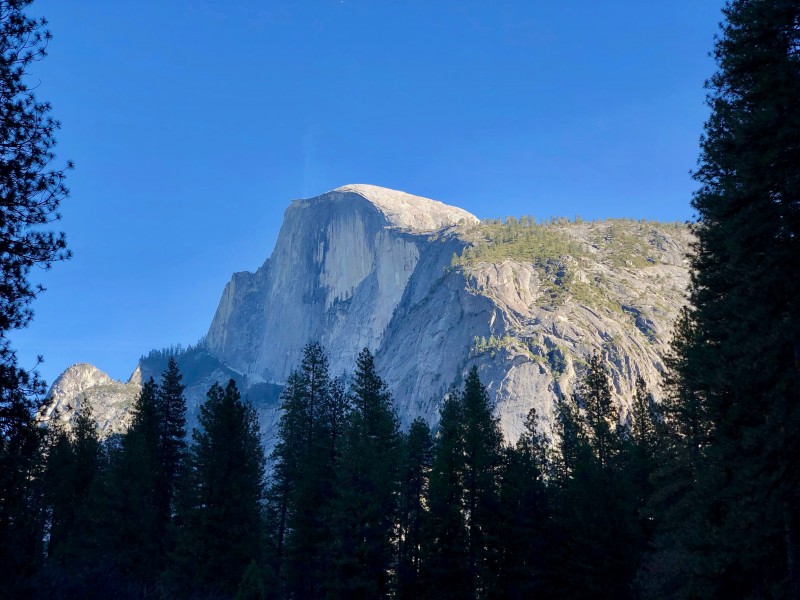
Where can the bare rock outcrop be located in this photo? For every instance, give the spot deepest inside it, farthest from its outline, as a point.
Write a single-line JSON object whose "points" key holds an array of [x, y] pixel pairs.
{"points": [[433, 291], [110, 400]]}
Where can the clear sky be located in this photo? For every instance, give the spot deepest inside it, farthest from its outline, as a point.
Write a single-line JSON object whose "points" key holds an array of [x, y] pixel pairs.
{"points": [[193, 124]]}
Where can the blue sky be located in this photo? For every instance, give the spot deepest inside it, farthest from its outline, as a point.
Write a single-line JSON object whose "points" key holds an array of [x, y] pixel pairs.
{"points": [[193, 124]]}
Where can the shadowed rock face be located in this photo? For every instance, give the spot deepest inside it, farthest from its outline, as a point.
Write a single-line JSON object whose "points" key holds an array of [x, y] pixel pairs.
{"points": [[364, 266], [340, 267]]}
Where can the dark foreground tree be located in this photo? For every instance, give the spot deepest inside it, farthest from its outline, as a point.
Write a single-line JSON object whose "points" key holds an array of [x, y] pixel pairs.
{"points": [[415, 464], [74, 491], [30, 194], [482, 466], [597, 542], [302, 490], [222, 516], [21, 506], [133, 491], [462, 550], [742, 361], [365, 510], [171, 452], [523, 517], [30, 190], [445, 568]]}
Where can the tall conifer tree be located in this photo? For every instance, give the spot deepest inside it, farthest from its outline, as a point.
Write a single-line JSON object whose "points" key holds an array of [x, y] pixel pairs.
{"points": [[415, 467], [482, 464], [22, 444], [302, 490], [221, 513], [742, 360], [172, 437], [287, 460], [31, 191], [445, 572], [464, 498], [74, 485], [594, 553], [523, 517], [365, 511], [593, 396], [133, 492]]}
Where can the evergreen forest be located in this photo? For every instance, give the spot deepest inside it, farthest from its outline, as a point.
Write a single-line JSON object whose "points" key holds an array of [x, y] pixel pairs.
{"points": [[694, 496]]}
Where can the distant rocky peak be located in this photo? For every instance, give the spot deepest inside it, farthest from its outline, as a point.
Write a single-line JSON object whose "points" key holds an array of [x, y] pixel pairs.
{"points": [[78, 378], [110, 401]]}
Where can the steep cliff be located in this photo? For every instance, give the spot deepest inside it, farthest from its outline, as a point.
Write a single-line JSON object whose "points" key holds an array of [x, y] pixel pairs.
{"points": [[432, 290], [340, 267]]}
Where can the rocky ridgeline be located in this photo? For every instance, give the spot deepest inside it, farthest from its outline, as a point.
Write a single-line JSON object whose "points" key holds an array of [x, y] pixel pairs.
{"points": [[431, 291], [82, 384]]}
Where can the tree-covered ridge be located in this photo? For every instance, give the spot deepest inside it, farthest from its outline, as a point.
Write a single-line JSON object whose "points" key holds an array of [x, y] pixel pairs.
{"points": [[579, 261], [615, 286], [614, 242], [494, 240]]}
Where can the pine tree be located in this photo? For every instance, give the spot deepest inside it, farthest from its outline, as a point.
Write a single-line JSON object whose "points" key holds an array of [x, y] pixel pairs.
{"points": [[133, 492], [594, 397], [463, 547], [221, 514], [482, 463], [30, 192], [445, 566], [74, 484], [171, 407], [286, 460], [21, 505], [415, 466], [144, 478], [302, 490], [30, 189], [741, 361], [367, 481], [644, 427], [595, 552], [337, 413], [571, 443], [684, 434], [523, 517], [641, 448]]}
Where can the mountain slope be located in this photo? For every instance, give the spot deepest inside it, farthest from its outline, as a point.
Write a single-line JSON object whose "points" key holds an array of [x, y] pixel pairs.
{"points": [[432, 290]]}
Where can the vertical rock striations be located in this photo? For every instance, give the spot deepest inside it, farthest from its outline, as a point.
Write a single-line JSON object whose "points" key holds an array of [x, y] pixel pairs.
{"points": [[340, 267], [432, 291]]}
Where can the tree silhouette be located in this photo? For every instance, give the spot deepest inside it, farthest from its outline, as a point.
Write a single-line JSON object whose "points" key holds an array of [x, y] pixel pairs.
{"points": [[30, 194]]}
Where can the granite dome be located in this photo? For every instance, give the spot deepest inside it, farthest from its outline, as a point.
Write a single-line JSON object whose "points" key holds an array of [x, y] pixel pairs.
{"points": [[433, 291], [406, 211]]}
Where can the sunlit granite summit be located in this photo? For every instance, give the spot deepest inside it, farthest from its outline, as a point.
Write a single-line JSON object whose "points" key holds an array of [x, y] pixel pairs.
{"points": [[83, 383], [432, 291], [341, 265], [414, 214]]}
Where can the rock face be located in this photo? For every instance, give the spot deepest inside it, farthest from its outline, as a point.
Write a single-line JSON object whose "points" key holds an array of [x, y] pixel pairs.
{"points": [[110, 400], [365, 266], [529, 347], [432, 291], [340, 267]]}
